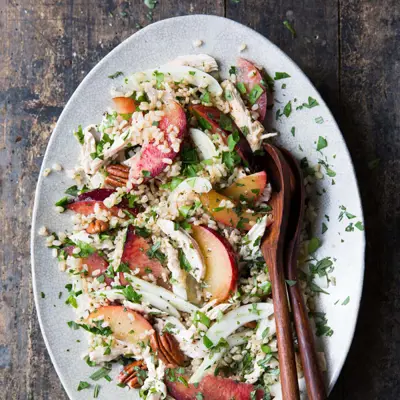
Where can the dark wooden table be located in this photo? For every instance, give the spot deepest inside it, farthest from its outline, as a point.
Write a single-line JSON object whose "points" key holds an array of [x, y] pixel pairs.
{"points": [[349, 49]]}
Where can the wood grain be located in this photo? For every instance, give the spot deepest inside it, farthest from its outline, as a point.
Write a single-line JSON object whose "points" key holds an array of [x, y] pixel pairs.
{"points": [[348, 48]]}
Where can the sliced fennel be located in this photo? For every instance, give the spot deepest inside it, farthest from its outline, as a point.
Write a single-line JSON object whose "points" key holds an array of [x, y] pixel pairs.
{"points": [[234, 319], [251, 242], [180, 304], [204, 62], [203, 143], [188, 245], [198, 185], [212, 358], [150, 298], [228, 324], [193, 76]]}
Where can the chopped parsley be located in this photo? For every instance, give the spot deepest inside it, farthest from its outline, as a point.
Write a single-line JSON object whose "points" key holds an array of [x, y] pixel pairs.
{"points": [[205, 98], [346, 301], [116, 75], [255, 93], [290, 282], [183, 261], [288, 109], [322, 143], [131, 294], [79, 134], [293, 131], [233, 139], [83, 385], [62, 202], [154, 252], [241, 87], [319, 120], [313, 245], [311, 104], [344, 212], [232, 70], [289, 27], [281, 75]]}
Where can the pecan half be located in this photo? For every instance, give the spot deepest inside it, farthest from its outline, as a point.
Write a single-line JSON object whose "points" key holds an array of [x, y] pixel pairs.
{"points": [[168, 350], [133, 374], [251, 324], [118, 175], [97, 226]]}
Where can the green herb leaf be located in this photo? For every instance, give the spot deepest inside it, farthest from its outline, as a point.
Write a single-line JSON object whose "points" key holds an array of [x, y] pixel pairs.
{"points": [[255, 93], [232, 70], [96, 391], [322, 143], [146, 174], [131, 294], [241, 87], [116, 75], [72, 191], [100, 373], [83, 385], [225, 122], [150, 4], [289, 26], [311, 104], [79, 135], [313, 245], [233, 139], [288, 109], [205, 98], [324, 227], [62, 202], [346, 301], [319, 120], [183, 261], [281, 75], [293, 131], [202, 318], [290, 282], [159, 79], [359, 225], [207, 342]]}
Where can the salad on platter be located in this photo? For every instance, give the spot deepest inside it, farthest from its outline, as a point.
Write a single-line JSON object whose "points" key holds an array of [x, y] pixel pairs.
{"points": [[168, 211]]}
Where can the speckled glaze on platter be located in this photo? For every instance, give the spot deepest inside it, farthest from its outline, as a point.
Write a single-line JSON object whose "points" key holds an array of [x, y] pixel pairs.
{"points": [[153, 46]]}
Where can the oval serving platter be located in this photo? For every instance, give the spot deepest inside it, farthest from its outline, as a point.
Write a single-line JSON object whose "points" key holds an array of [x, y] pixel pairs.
{"points": [[148, 48]]}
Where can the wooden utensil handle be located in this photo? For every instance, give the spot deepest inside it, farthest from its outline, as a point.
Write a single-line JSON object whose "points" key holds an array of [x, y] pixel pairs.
{"points": [[312, 372], [287, 363]]}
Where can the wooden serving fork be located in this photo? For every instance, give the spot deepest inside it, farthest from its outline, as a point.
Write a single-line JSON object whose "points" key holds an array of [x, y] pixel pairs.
{"points": [[272, 248]]}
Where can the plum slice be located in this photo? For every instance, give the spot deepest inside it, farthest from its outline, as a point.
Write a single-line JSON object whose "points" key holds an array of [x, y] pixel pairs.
{"points": [[241, 220], [248, 188], [251, 78], [217, 122], [85, 202], [124, 105], [148, 163], [125, 324], [135, 254], [221, 266], [214, 388], [94, 262]]}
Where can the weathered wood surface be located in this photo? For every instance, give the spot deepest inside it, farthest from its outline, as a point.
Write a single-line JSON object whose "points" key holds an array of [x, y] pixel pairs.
{"points": [[349, 49]]}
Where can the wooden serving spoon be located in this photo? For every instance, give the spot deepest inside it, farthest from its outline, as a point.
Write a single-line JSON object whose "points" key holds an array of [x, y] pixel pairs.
{"points": [[272, 248], [312, 373]]}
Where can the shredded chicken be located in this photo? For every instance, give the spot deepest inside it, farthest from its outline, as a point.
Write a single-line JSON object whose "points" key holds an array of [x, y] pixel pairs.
{"points": [[242, 117]]}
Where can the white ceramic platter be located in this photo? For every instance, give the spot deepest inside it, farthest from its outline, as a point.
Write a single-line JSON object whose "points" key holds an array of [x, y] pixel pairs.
{"points": [[151, 47]]}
